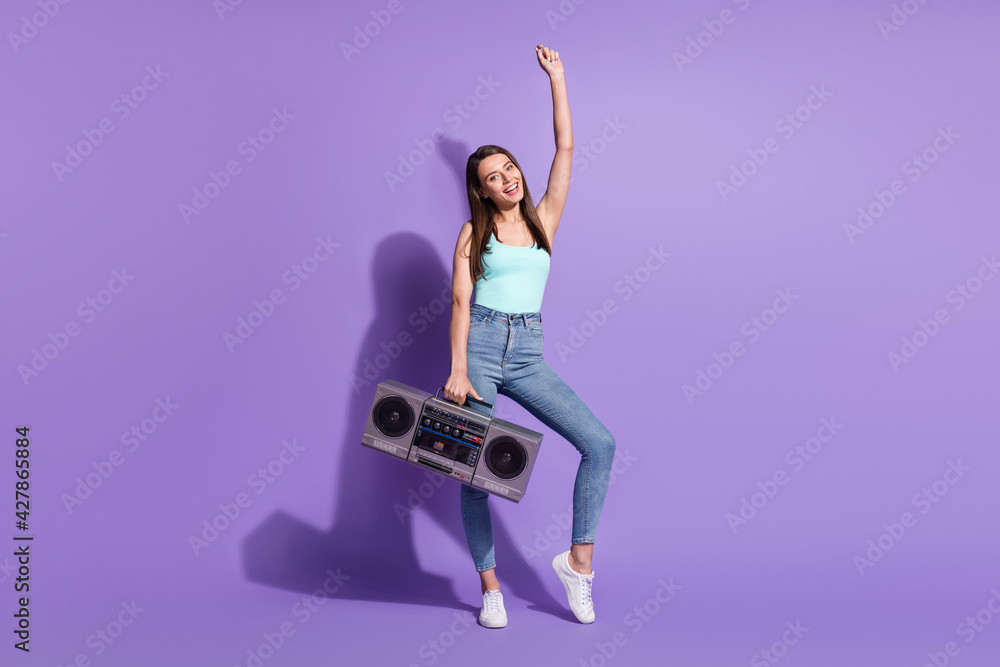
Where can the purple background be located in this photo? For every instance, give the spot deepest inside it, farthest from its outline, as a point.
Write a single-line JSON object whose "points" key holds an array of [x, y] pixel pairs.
{"points": [[653, 182]]}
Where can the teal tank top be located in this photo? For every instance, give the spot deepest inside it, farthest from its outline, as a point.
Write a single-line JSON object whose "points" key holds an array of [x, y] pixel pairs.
{"points": [[515, 277]]}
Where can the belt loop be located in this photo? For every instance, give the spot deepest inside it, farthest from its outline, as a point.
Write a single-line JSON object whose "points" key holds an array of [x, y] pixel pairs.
{"points": [[524, 318]]}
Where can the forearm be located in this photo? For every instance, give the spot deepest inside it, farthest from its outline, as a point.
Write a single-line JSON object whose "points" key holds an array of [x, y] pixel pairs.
{"points": [[458, 334], [561, 122]]}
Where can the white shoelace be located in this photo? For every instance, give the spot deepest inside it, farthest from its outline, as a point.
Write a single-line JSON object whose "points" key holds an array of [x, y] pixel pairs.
{"points": [[586, 584], [491, 603]]}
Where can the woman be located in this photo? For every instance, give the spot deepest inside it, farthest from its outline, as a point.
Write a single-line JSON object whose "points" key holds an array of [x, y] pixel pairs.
{"points": [[496, 344]]}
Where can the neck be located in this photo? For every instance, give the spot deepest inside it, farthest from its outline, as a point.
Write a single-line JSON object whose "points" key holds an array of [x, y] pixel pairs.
{"points": [[509, 216]]}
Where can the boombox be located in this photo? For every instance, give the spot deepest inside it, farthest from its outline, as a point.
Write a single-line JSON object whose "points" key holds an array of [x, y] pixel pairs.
{"points": [[453, 440]]}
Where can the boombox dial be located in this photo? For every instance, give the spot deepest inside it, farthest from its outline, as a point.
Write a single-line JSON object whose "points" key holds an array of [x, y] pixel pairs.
{"points": [[453, 425]]}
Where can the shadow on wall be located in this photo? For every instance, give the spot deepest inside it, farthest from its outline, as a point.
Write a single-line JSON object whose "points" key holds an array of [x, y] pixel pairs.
{"points": [[369, 541]]}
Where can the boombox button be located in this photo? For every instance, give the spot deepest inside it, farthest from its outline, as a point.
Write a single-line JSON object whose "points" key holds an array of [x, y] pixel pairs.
{"points": [[437, 426], [427, 421], [446, 429]]}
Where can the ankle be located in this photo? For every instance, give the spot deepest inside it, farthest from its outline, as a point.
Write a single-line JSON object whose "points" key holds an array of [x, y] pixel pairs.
{"points": [[583, 566], [488, 581]]}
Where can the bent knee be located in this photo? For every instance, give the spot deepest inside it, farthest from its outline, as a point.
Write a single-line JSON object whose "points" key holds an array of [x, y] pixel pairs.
{"points": [[603, 447]]}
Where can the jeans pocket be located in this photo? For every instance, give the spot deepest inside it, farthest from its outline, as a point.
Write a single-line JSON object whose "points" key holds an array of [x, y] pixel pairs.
{"points": [[535, 329], [476, 319]]}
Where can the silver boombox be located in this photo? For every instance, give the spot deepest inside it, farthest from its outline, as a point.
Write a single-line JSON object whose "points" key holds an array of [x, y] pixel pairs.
{"points": [[453, 440]]}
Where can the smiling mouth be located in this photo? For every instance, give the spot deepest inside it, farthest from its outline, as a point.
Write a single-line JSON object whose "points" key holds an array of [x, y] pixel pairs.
{"points": [[513, 189]]}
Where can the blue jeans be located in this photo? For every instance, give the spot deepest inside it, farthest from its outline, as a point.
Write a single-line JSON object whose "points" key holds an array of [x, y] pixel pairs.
{"points": [[504, 355]]}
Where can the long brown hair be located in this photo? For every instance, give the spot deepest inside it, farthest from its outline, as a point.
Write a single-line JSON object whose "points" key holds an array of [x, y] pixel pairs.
{"points": [[484, 210]]}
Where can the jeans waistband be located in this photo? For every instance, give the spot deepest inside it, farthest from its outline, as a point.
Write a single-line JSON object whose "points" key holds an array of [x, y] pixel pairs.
{"points": [[492, 314]]}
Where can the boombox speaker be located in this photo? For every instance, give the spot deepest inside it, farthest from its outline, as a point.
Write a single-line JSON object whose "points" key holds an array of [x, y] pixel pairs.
{"points": [[392, 421], [452, 440], [507, 459]]}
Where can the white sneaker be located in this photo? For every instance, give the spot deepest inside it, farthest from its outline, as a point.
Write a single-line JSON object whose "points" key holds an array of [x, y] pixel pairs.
{"points": [[578, 587], [493, 615]]}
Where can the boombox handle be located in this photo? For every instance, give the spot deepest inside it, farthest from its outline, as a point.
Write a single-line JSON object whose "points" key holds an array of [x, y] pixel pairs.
{"points": [[470, 397]]}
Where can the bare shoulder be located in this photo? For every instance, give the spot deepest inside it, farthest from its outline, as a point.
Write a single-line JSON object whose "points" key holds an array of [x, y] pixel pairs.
{"points": [[464, 237], [465, 233]]}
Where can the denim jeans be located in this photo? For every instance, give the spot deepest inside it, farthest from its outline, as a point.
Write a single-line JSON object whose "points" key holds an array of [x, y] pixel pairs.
{"points": [[504, 355]]}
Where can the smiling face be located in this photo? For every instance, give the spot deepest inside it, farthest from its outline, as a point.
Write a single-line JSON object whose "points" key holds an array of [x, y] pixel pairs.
{"points": [[497, 176]]}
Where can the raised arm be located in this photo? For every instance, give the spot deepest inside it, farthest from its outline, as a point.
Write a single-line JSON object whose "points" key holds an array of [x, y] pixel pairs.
{"points": [[551, 205]]}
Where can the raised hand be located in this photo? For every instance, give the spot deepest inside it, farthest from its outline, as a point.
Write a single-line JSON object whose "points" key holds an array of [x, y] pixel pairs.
{"points": [[549, 60]]}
